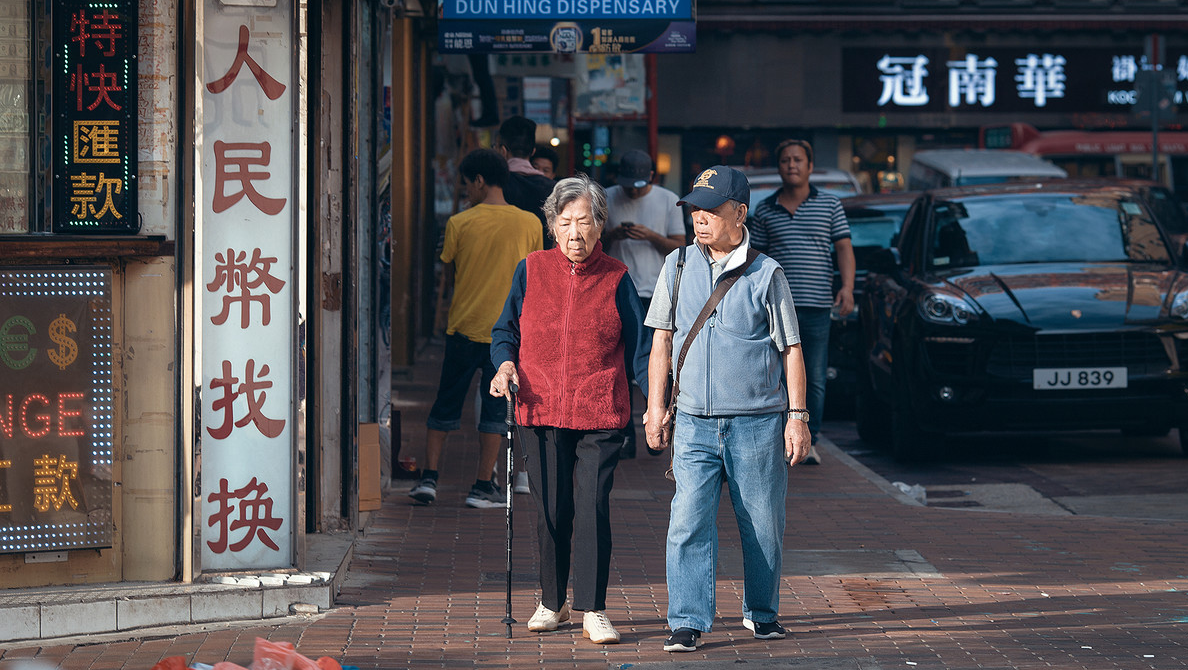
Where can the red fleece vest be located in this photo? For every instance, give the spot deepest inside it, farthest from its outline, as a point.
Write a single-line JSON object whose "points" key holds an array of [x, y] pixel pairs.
{"points": [[572, 373]]}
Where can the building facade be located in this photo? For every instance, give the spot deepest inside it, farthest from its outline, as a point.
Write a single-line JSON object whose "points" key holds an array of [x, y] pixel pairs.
{"points": [[194, 255]]}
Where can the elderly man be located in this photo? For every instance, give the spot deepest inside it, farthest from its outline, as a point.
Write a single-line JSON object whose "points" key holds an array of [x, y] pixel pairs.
{"points": [[739, 410]]}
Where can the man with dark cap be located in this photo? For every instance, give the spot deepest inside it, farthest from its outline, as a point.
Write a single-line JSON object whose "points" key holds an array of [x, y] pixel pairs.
{"points": [[643, 225], [527, 187], [739, 413]]}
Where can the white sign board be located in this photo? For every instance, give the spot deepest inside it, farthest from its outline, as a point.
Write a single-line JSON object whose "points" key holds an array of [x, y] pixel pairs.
{"points": [[247, 280]]}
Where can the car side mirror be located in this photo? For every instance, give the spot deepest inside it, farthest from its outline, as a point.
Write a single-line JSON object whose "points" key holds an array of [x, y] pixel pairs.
{"points": [[885, 261]]}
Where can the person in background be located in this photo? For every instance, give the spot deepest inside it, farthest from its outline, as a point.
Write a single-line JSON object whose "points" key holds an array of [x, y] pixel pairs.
{"points": [[799, 226], [482, 246], [739, 411], [643, 225], [547, 161], [527, 187], [571, 336]]}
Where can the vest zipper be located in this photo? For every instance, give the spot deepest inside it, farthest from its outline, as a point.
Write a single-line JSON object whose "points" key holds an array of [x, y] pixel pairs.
{"points": [[565, 347]]}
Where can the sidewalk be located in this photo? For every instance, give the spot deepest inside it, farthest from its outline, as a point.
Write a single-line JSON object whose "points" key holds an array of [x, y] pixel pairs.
{"points": [[870, 581]]}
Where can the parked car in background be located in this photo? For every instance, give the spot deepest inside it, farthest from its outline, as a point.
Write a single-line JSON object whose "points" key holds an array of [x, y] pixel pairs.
{"points": [[765, 181], [874, 223], [1054, 305], [1168, 209], [941, 168]]}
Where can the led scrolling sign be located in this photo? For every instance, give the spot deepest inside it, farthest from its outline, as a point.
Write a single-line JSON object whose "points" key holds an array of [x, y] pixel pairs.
{"points": [[56, 408], [94, 118]]}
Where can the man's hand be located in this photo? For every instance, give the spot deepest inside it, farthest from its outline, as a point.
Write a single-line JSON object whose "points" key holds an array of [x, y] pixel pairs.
{"points": [[506, 373], [658, 427], [639, 232], [615, 234], [797, 441], [844, 301]]}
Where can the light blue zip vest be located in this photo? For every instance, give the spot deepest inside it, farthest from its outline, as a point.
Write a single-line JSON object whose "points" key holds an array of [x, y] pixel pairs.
{"points": [[732, 367]]}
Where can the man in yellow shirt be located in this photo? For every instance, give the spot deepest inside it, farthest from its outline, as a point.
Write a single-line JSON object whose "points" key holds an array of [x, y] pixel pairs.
{"points": [[483, 245]]}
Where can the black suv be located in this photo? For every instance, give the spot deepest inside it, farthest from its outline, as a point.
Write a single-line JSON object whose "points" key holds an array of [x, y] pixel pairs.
{"points": [[1057, 305]]}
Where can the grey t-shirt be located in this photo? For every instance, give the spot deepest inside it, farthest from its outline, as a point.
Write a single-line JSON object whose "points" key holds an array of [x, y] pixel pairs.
{"points": [[781, 313]]}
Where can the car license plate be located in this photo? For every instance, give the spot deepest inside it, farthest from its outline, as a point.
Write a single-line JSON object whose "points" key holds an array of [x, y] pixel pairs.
{"points": [[1056, 379]]}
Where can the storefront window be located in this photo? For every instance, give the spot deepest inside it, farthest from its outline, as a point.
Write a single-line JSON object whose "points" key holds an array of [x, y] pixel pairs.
{"points": [[15, 138]]}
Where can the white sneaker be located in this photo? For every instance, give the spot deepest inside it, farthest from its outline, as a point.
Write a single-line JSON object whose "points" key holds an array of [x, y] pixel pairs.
{"points": [[521, 485], [546, 619], [812, 458], [598, 628]]}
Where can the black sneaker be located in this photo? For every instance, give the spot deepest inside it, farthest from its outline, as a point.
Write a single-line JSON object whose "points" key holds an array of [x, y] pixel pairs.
{"points": [[766, 631], [425, 491], [683, 639], [486, 498]]}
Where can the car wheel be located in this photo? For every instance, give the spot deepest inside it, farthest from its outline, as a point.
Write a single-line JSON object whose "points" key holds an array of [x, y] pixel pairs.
{"points": [[871, 415], [1183, 440], [909, 442]]}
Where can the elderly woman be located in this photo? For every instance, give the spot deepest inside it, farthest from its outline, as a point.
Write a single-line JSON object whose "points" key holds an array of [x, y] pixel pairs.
{"points": [[570, 336]]}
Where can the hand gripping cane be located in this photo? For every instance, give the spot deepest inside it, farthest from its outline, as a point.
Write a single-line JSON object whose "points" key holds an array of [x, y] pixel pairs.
{"points": [[511, 423]]}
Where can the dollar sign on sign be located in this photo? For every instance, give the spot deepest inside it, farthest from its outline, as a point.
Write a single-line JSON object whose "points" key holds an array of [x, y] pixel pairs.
{"points": [[67, 350]]}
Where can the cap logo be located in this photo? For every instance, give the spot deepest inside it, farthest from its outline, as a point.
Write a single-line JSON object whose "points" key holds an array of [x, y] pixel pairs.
{"points": [[703, 179]]}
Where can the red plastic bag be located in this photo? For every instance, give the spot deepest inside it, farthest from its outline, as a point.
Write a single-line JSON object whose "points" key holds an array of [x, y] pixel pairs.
{"points": [[269, 655], [171, 663], [227, 665], [327, 663]]}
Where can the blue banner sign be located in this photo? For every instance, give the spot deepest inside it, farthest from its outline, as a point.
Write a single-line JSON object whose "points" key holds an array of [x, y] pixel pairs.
{"points": [[573, 10], [593, 37]]}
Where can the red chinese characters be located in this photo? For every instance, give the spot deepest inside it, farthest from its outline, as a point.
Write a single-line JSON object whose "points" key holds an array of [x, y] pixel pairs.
{"points": [[233, 162], [239, 279], [255, 514], [253, 391]]}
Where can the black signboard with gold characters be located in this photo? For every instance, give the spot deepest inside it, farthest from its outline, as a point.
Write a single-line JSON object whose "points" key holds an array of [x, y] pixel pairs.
{"points": [[94, 116], [57, 431]]}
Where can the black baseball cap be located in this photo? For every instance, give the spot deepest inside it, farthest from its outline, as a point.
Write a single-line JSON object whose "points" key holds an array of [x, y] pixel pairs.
{"points": [[635, 169], [716, 185]]}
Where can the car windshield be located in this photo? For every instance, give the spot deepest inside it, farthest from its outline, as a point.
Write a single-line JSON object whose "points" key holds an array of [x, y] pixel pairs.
{"points": [[876, 227], [842, 189], [1042, 228]]}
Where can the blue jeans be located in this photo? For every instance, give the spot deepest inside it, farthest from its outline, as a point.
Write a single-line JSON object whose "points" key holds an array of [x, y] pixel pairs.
{"points": [[748, 451], [814, 344]]}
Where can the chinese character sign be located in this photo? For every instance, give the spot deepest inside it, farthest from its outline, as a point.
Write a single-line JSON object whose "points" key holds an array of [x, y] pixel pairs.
{"points": [[247, 288], [1016, 80], [56, 397], [94, 125]]}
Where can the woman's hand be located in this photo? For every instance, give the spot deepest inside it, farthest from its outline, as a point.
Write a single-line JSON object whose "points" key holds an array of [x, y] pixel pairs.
{"points": [[505, 374]]}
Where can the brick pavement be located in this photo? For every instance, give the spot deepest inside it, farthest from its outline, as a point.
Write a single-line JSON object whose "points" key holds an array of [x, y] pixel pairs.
{"points": [[868, 579]]}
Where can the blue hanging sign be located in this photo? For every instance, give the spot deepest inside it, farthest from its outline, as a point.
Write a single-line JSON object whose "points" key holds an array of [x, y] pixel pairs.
{"points": [[593, 37], [573, 10]]}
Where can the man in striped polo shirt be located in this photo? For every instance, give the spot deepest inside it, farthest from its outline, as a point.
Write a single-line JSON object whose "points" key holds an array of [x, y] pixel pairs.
{"points": [[797, 226]]}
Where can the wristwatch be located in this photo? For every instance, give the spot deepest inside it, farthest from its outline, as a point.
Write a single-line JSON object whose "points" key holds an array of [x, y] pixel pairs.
{"points": [[799, 414]]}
